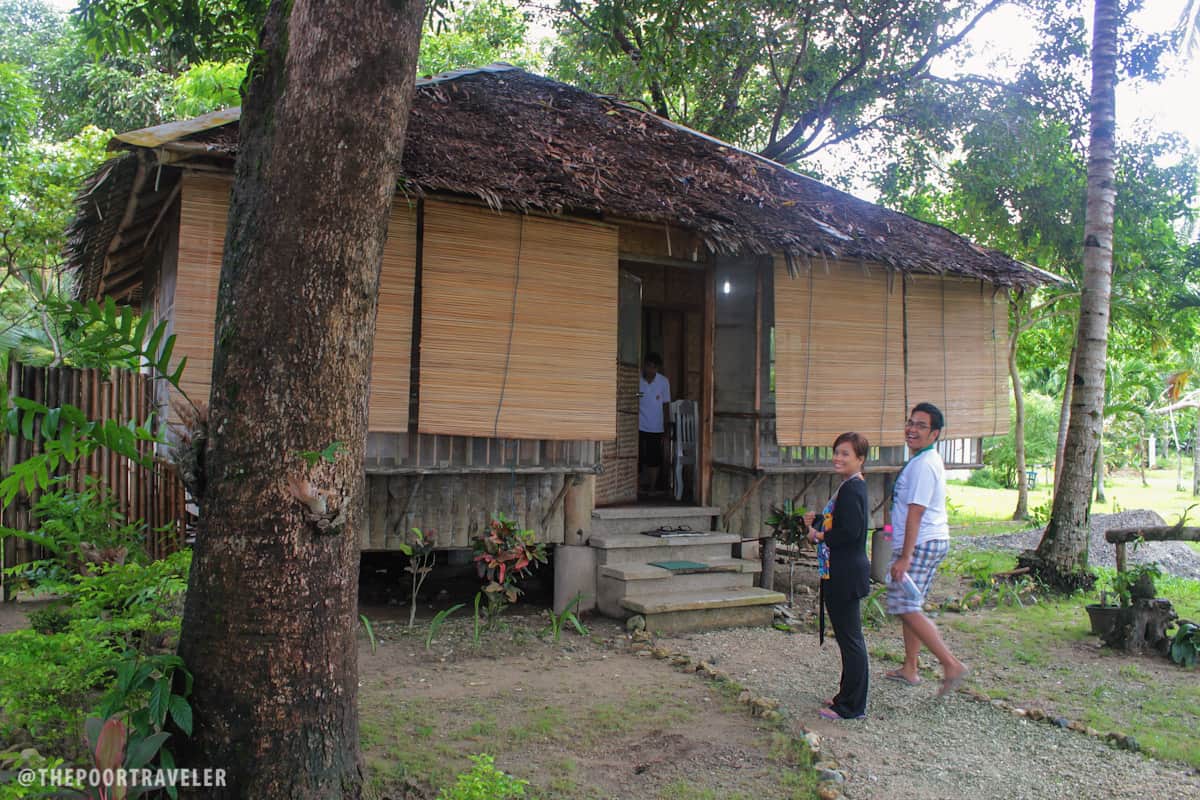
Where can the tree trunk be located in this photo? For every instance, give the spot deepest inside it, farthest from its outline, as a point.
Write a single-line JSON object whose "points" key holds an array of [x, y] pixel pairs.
{"points": [[1196, 456], [269, 628], [1022, 510], [1061, 558], [1064, 418], [766, 553]]}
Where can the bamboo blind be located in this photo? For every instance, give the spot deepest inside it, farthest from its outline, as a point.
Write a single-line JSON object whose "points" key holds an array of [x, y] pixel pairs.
{"points": [[205, 207], [956, 329], [839, 354], [546, 372], [391, 360]]}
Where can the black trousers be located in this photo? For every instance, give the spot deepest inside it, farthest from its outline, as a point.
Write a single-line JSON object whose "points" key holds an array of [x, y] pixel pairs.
{"points": [[846, 618]]}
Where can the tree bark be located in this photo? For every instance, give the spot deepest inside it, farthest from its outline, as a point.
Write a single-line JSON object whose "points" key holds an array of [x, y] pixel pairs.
{"points": [[1064, 418], [1061, 559], [1196, 456], [269, 628], [1022, 509]]}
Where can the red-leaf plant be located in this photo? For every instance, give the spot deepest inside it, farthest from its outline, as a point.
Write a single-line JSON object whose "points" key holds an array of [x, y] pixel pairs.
{"points": [[504, 555]]}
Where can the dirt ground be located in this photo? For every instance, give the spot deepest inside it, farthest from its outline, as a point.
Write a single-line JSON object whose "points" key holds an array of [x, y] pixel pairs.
{"points": [[581, 718]]}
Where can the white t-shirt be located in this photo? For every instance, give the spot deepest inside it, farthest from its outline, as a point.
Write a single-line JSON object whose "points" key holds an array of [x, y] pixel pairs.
{"points": [[650, 403], [923, 482]]}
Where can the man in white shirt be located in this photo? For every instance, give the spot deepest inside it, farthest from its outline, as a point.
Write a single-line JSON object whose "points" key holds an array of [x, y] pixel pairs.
{"points": [[654, 394], [921, 539]]}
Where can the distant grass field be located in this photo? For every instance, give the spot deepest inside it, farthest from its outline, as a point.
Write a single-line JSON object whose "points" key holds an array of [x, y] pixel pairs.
{"points": [[986, 512]]}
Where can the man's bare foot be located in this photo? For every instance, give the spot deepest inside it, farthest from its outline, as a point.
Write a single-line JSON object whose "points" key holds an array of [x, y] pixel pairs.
{"points": [[953, 678], [902, 676]]}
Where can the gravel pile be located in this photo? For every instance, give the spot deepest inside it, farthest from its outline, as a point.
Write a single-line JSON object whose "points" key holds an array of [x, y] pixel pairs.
{"points": [[1175, 558], [919, 748]]}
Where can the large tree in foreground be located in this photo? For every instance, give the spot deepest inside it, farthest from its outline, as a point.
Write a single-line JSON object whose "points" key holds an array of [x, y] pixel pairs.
{"points": [[1062, 556], [269, 625]]}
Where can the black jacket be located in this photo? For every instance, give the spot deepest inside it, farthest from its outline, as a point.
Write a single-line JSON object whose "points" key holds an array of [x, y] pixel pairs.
{"points": [[849, 567]]}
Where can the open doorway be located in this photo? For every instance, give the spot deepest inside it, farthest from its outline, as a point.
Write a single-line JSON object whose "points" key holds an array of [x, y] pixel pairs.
{"points": [[662, 312]]}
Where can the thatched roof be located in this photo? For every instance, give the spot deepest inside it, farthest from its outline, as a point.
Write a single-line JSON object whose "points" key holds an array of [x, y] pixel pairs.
{"points": [[520, 141]]}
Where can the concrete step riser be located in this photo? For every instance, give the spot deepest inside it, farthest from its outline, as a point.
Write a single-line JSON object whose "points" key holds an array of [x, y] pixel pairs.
{"points": [[710, 619], [701, 523], [644, 555], [684, 583]]}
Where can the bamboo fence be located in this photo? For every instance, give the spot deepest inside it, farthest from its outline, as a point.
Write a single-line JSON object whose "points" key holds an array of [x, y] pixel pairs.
{"points": [[153, 493]]}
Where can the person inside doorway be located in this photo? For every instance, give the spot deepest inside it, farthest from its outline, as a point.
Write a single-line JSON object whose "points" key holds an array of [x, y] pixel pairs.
{"points": [[654, 395]]}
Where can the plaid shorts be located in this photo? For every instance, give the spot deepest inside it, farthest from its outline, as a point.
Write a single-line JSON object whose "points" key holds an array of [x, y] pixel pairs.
{"points": [[925, 560]]}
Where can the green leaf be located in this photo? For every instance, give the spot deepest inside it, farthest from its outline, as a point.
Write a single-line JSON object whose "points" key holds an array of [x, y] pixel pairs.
{"points": [[141, 751], [181, 713], [160, 697]]}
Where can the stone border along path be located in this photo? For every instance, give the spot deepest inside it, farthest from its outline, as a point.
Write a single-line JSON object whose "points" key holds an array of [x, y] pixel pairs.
{"points": [[829, 776], [914, 745]]}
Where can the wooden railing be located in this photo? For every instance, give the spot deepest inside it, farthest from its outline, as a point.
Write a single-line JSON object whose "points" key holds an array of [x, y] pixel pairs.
{"points": [[151, 493]]}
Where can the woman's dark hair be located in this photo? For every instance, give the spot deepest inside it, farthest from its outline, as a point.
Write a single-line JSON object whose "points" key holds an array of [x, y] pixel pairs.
{"points": [[856, 440]]}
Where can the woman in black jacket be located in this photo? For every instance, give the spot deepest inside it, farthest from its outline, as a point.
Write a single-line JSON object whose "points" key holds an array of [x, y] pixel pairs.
{"points": [[845, 572]]}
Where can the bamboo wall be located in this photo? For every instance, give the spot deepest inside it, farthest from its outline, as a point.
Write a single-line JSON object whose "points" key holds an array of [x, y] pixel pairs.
{"points": [[152, 494], [456, 509], [518, 325], [618, 479]]}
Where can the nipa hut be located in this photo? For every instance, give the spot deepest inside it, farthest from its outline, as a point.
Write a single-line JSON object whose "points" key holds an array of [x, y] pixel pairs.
{"points": [[542, 240]]}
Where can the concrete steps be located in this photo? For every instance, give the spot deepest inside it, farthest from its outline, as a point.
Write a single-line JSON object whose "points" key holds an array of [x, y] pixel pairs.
{"points": [[677, 612], [718, 591]]}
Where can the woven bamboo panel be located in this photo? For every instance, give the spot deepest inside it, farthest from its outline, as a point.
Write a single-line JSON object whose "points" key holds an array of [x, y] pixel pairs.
{"points": [[391, 360], [545, 372], [204, 208], [839, 354], [956, 334]]}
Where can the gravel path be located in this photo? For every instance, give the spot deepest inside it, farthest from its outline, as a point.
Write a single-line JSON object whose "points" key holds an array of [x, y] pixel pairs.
{"points": [[1175, 558], [919, 748]]}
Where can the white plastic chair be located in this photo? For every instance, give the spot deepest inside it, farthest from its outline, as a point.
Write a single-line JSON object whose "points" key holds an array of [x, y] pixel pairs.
{"points": [[683, 445]]}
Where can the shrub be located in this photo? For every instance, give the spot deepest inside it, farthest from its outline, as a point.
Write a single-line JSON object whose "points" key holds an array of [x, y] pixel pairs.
{"points": [[484, 782], [985, 478], [1041, 440]]}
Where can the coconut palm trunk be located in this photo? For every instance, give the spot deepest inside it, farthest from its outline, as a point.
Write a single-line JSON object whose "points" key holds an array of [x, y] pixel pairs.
{"points": [[1061, 559]]}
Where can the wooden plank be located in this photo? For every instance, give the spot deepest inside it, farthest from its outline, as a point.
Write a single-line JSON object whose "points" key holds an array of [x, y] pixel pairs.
{"points": [[1156, 533], [704, 446]]}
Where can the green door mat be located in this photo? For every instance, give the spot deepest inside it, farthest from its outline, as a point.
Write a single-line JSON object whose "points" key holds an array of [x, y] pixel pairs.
{"points": [[684, 566]]}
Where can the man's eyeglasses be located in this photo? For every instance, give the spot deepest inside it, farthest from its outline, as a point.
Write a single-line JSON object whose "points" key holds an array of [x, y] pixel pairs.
{"points": [[921, 426]]}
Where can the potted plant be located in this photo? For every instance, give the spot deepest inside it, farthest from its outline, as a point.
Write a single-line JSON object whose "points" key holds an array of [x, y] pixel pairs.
{"points": [[1135, 583], [787, 526]]}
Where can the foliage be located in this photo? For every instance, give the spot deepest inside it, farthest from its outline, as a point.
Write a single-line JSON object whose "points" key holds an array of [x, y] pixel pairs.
{"points": [[189, 31], [122, 615], [786, 522], [83, 528], [484, 782], [985, 478], [421, 557], [567, 615], [475, 33], [1185, 646], [1039, 515], [785, 79], [1041, 440], [874, 613], [114, 746], [141, 701], [1136, 581], [506, 554], [439, 619], [366, 623], [31, 759], [206, 87]]}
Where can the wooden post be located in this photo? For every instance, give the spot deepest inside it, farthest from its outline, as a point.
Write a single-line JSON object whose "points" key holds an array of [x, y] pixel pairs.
{"points": [[1120, 556], [577, 508]]}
